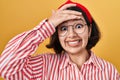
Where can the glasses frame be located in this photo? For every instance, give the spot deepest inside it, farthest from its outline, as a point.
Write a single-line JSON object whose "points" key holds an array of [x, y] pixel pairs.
{"points": [[73, 27]]}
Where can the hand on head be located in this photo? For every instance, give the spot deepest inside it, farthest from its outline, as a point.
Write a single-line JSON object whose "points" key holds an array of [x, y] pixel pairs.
{"points": [[61, 15]]}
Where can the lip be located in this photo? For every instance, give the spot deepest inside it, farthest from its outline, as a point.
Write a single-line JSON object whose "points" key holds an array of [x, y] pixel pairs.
{"points": [[74, 43]]}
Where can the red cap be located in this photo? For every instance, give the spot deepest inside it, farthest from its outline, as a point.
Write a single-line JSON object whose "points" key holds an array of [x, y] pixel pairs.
{"points": [[81, 7]]}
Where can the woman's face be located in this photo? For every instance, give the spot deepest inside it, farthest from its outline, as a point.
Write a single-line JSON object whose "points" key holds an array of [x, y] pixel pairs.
{"points": [[73, 35]]}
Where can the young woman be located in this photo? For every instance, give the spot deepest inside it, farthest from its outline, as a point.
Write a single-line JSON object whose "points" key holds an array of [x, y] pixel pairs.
{"points": [[73, 33]]}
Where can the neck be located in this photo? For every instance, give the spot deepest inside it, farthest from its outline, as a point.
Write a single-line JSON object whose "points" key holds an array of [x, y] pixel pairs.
{"points": [[80, 58]]}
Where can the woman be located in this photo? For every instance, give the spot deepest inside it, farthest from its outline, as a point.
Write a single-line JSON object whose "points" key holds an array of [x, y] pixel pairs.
{"points": [[73, 33]]}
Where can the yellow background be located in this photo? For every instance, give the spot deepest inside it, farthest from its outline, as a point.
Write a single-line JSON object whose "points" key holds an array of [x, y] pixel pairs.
{"points": [[17, 16]]}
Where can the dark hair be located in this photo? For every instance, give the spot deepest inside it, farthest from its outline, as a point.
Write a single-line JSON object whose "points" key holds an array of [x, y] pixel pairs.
{"points": [[93, 39]]}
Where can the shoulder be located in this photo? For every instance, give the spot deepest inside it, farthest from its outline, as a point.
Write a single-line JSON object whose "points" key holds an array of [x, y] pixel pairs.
{"points": [[100, 62], [107, 66], [107, 69]]}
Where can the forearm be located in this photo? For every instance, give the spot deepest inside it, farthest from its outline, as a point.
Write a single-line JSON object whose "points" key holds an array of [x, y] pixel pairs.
{"points": [[22, 46]]}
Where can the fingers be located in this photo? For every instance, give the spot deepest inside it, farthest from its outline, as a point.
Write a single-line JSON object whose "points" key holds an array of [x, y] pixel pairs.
{"points": [[61, 15], [71, 12], [70, 17], [66, 6], [63, 10]]}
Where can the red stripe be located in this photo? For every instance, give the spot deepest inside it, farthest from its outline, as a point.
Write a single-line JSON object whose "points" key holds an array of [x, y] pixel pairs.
{"points": [[48, 31], [45, 31], [15, 39], [49, 67], [51, 27]]}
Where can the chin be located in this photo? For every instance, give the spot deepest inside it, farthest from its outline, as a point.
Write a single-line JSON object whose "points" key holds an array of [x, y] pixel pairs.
{"points": [[74, 51]]}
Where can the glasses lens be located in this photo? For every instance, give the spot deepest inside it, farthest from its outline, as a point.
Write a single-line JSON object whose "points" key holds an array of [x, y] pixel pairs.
{"points": [[62, 30], [78, 28]]}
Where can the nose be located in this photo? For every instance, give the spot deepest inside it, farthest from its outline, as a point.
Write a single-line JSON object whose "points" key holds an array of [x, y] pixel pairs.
{"points": [[71, 33]]}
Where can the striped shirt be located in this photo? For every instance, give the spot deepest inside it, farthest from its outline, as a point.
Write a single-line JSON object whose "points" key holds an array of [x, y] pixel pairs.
{"points": [[16, 62]]}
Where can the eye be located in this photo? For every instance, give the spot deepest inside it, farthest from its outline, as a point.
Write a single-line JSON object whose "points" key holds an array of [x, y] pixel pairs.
{"points": [[79, 26], [63, 28]]}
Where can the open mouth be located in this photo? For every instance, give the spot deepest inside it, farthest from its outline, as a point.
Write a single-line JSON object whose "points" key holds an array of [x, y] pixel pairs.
{"points": [[74, 43]]}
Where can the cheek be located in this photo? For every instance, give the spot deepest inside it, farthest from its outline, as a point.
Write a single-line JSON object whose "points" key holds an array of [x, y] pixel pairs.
{"points": [[62, 41], [85, 39]]}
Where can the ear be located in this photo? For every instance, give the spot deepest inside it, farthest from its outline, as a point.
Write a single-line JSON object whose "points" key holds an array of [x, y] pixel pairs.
{"points": [[90, 30]]}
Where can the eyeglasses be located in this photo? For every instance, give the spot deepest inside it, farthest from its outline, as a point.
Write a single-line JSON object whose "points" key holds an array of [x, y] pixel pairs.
{"points": [[78, 28]]}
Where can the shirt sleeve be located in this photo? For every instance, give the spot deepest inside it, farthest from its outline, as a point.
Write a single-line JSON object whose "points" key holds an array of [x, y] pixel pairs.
{"points": [[15, 60], [118, 76]]}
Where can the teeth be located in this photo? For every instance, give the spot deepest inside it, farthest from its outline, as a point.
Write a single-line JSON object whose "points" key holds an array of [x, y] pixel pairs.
{"points": [[74, 42]]}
